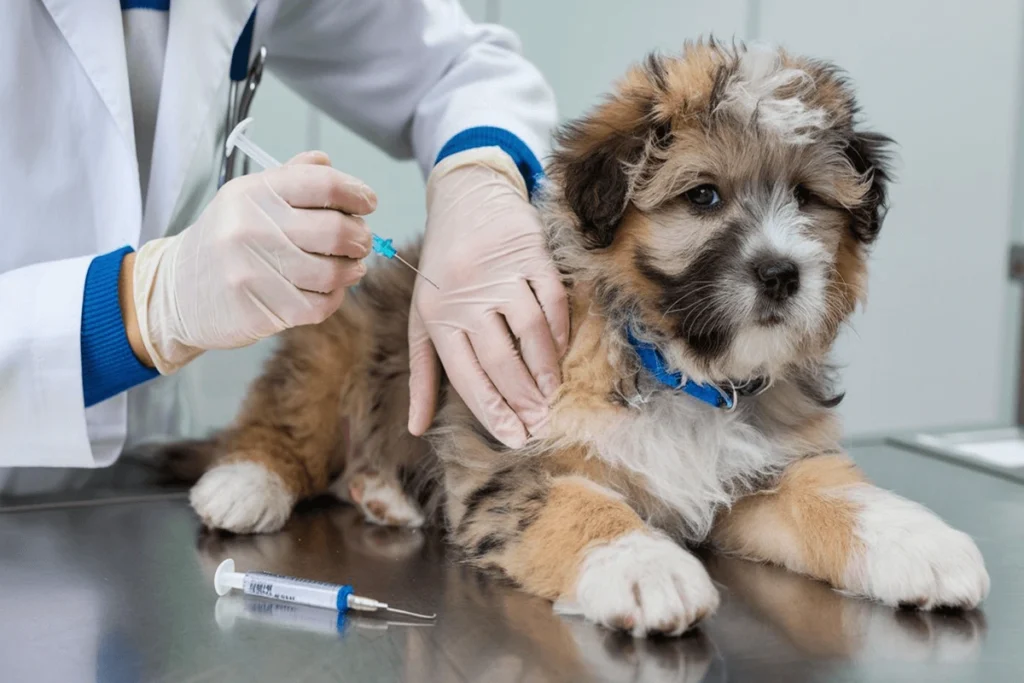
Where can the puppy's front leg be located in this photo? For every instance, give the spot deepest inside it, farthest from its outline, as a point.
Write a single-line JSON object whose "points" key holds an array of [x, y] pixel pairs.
{"points": [[825, 521], [570, 540]]}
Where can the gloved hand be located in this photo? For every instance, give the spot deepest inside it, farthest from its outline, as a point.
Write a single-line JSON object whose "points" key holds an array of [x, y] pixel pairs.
{"points": [[273, 250], [484, 247]]}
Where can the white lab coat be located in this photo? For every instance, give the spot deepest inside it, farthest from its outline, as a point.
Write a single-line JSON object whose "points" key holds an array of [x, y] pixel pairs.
{"points": [[405, 74]]}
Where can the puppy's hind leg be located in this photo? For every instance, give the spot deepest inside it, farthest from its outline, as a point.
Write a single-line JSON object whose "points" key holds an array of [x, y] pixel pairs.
{"points": [[289, 436], [388, 471], [381, 497]]}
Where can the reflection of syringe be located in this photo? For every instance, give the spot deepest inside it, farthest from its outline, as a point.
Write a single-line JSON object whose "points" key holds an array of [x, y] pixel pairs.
{"points": [[298, 591], [231, 608], [238, 139]]}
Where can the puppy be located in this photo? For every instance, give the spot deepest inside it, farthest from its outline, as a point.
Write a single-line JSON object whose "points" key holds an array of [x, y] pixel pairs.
{"points": [[711, 220]]}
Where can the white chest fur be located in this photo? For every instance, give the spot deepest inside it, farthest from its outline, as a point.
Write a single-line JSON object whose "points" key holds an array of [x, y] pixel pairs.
{"points": [[691, 455]]}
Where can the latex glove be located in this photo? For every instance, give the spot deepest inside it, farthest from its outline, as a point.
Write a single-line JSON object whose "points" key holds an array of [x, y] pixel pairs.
{"points": [[273, 250], [484, 246]]}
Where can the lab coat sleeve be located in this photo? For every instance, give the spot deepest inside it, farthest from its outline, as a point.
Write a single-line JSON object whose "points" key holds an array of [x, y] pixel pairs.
{"points": [[411, 76], [43, 418]]}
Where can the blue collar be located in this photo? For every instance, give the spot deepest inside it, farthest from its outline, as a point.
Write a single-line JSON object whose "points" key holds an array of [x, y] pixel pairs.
{"points": [[712, 394]]}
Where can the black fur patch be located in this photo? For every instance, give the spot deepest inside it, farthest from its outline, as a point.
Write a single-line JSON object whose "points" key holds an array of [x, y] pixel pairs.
{"points": [[596, 185], [495, 485], [722, 76], [390, 376], [818, 385], [379, 357], [526, 521], [536, 496], [654, 64], [687, 298], [489, 544], [612, 298], [661, 137], [869, 153]]}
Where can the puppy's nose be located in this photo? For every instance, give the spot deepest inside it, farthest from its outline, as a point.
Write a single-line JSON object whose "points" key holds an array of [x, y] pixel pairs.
{"points": [[780, 279]]}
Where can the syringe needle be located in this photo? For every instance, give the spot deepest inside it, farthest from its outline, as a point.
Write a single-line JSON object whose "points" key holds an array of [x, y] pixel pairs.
{"points": [[418, 272], [411, 614]]}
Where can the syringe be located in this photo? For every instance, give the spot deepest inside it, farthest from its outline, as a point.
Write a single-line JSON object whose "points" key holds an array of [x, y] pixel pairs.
{"points": [[298, 591], [238, 139]]}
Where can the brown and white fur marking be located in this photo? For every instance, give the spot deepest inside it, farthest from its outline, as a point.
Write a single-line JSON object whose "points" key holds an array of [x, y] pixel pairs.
{"points": [[721, 203]]}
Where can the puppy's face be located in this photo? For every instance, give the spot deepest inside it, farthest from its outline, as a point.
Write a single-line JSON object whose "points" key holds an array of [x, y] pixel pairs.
{"points": [[722, 202]]}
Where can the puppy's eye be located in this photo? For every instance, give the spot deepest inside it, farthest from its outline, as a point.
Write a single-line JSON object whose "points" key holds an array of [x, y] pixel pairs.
{"points": [[704, 196], [803, 195]]}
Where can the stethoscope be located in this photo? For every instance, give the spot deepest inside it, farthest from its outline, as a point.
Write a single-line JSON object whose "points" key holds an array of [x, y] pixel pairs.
{"points": [[244, 81]]}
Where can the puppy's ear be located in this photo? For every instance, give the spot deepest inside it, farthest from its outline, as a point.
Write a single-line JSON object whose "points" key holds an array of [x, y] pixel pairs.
{"points": [[871, 156], [600, 157], [595, 164]]}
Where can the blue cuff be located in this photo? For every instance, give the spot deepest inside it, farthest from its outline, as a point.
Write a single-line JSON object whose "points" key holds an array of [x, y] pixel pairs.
{"points": [[108, 364], [489, 136]]}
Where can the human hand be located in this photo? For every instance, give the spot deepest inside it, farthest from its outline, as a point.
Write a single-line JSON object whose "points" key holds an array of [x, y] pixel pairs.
{"points": [[484, 245], [273, 250]]}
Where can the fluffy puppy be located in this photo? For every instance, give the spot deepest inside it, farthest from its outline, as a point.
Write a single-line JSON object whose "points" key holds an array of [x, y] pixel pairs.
{"points": [[711, 219]]}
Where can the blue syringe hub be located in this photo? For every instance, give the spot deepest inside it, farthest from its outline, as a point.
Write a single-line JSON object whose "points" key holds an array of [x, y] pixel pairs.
{"points": [[384, 247]]}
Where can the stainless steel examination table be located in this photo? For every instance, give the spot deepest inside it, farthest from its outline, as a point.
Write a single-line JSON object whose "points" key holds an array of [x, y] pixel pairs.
{"points": [[120, 589]]}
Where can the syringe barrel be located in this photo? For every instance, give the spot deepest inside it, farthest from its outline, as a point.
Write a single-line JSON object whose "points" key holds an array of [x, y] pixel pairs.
{"points": [[255, 152], [299, 591]]}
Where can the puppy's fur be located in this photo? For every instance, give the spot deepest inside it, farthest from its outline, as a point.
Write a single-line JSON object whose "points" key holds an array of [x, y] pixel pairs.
{"points": [[720, 204]]}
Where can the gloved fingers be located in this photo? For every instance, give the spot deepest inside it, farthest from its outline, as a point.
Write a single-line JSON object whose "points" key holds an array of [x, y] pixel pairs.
{"points": [[311, 186], [321, 306], [323, 274], [472, 383], [330, 233], [536, 345], [551, 296], [283, 305], [314, 157], [497, 355], [424, 376]]}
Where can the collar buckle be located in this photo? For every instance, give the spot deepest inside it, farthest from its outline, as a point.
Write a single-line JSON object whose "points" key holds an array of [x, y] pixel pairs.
{"points": [[713, 394]]}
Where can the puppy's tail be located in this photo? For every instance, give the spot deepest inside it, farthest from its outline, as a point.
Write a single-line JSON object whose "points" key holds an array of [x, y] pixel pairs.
{"points": [[185, 461]]}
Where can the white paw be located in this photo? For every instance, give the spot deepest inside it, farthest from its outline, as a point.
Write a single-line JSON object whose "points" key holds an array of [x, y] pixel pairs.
{"points": [[382, 501], [911, 557], [644, 584], [243, 497]]}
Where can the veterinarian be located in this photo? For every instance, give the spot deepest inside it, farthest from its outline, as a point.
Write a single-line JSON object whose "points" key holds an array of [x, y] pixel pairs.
{"points": [[122, 261]]}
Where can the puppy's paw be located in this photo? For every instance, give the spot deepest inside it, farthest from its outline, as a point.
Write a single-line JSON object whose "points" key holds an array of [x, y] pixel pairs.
{"points": [[643, 584], [382, 500], [910, 557], [242, 497]]}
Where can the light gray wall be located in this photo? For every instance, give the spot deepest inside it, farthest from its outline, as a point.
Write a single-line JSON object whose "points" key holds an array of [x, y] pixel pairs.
{"points": [[1010, 356], [943, 78]]}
